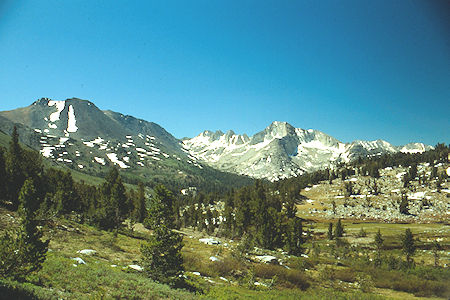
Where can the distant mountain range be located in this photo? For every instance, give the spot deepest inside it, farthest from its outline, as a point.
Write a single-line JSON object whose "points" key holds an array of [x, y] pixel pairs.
{"points": [[79, 135], [282, 151]]}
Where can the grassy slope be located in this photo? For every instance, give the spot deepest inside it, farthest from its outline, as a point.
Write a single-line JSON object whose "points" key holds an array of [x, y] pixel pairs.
{"points": [[98, 278], [105, 274]]}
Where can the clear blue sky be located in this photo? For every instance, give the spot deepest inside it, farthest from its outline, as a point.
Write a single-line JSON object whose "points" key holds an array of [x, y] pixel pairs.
{"points": [[353, 69]]}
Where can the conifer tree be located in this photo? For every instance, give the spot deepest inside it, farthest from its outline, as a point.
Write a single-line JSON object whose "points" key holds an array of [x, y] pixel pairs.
{"points": [[408, 246], [140, 209], [14, 169], [113, 206], [161, 254], [3, 177], [403, 208], [330, 231], [379, 244], [23, 252], [294, 238], [436, 247], [379, 240], [339, 230], [66, 199]]}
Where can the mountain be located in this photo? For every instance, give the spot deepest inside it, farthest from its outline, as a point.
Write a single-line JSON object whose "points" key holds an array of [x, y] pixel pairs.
{"points": [[75, 133], [281, 151]]}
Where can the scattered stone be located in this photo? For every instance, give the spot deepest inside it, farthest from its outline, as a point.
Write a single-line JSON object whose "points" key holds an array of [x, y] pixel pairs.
{"points": [[79, 260], [87, 251], [136, 267], [209, 241], [267, 259]]}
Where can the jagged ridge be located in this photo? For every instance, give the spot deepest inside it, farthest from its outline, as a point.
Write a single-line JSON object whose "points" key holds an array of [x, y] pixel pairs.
{"points": [[281, 151]]}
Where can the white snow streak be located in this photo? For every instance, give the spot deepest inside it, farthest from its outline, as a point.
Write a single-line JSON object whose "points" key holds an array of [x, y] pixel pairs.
{"points": [[71, 122]]}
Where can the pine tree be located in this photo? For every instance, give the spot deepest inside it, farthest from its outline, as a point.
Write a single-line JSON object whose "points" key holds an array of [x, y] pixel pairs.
{"points": [[3, 177], [339, 230], [436, 248], [379, 244], [23, 252], [269, 231], [403, 208], [379, 240], [14, 169], [113, 206], [330, 231], [161, 254], [294, 237], [140, 209], [66, 199], [408, 246]]}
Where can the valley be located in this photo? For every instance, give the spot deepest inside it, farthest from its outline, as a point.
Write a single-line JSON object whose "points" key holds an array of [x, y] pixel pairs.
{"points": [[285, 214]]}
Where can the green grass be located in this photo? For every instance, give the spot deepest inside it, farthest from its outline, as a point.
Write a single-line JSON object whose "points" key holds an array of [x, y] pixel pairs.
{"points": [[237, 292], [315, 277]]}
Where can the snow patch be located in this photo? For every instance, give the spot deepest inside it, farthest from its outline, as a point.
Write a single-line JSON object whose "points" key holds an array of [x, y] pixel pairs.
{"points": [[100, 160], [63, 140], [47, 151], [59, 108], [113, 157], [71, 122]]}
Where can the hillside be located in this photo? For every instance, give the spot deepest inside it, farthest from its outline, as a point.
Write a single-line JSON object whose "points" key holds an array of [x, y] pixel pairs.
{"points": [[74, 133]]}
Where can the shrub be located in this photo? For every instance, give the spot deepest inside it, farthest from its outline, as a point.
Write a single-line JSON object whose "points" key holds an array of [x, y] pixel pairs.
{"points": [[347, 275], [365, 282], [288, 277]]}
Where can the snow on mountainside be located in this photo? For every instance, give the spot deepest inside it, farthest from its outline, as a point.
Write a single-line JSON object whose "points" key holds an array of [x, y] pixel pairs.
{"points": [[77, 133], [282, 151]]}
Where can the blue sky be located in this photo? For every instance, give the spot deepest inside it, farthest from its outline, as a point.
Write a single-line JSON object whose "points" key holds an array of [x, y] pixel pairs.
{"points": [[353, 69]]}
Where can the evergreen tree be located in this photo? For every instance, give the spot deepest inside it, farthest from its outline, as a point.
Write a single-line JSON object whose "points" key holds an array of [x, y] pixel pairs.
{"points": [[140, 209], [403, 208], [408, 246], [294, 239], [23, 252], [242, 212], [379, 240], [14, 169], [379, 244], [161, 254], [245, 245], [330, 231], [436, 248], [339, 230], [269, 231], [113, 207], [66, 198], [3, 177]]}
